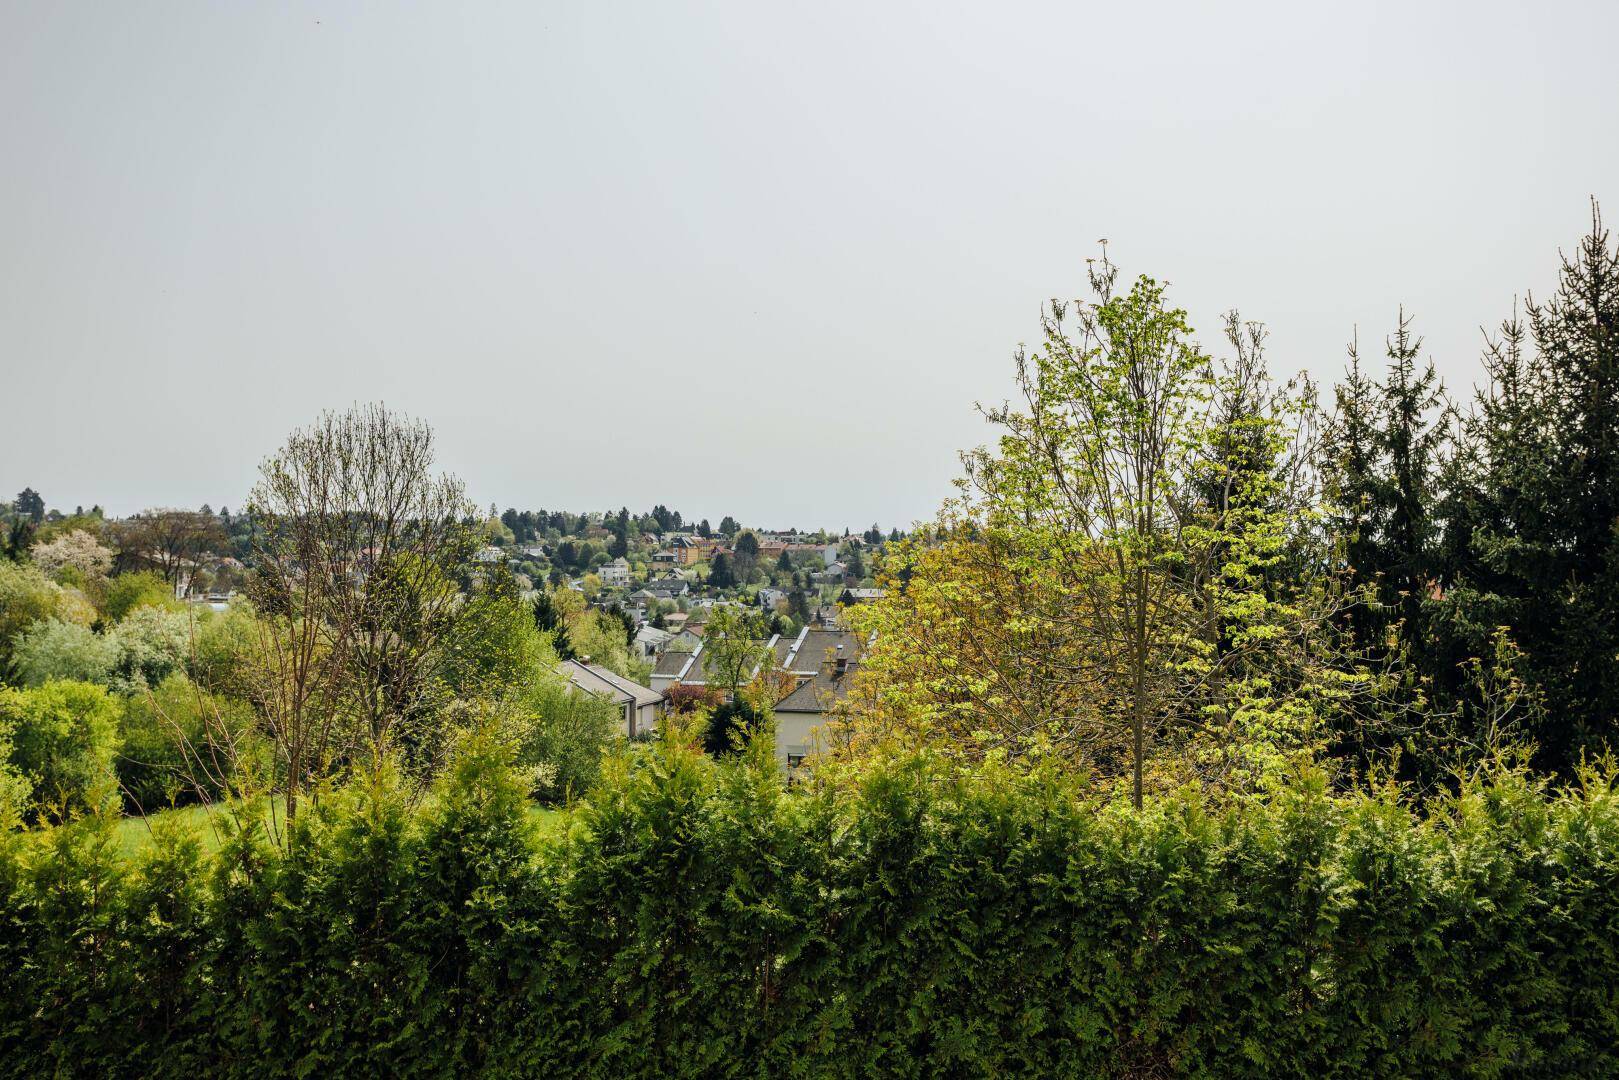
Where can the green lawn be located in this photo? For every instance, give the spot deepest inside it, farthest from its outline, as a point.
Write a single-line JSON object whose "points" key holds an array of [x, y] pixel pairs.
{"points": [[134, 832]]}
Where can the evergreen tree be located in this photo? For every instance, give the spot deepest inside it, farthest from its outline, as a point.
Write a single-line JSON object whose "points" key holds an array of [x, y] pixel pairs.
{"points": [[30, 505], [1388, 451], [721, 575], [1531, 533], [548, 619]]}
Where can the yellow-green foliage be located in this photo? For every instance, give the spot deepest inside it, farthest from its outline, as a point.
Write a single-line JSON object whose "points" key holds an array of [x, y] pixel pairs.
{"points": [[701, 920], [27, 596], [63, 738], [126, 592], [179, 744]]}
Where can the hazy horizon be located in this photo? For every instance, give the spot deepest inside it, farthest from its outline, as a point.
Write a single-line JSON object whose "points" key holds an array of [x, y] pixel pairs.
{"points": [[731, 259]]}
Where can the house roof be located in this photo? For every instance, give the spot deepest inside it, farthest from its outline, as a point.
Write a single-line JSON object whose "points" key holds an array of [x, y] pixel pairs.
{"points": [[692, 667], [597, 680], [673, 663], [814, 646], [818, 694]]}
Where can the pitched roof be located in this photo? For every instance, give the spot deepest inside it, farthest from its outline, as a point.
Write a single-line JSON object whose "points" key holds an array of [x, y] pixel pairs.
{"points": [[814, 646], [597, 680], [818, 694], [673, 663]]}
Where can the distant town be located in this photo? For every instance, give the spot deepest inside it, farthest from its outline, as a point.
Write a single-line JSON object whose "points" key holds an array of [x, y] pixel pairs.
{"points": [[626, 597]]}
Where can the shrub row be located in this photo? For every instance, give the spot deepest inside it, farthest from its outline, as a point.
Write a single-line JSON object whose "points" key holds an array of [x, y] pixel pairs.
{"points": [[696, 920]]}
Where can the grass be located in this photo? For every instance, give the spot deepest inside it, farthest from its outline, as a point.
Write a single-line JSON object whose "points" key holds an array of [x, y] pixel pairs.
{"points": [[135, 832]]}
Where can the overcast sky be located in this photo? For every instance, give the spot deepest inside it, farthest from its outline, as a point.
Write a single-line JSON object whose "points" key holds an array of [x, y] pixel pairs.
{"points": [[757, 259]]}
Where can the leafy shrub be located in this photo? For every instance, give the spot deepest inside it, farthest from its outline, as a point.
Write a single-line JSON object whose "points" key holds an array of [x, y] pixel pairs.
{"points": [[127, 592], [152, 643], [560, 735], [224, 650], [27, 596], [64, 736], [180, 744], [729, 727], [53, 649]]}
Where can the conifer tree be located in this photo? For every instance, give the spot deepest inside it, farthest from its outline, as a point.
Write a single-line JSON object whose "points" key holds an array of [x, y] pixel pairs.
{"points": [[1533, 531]]}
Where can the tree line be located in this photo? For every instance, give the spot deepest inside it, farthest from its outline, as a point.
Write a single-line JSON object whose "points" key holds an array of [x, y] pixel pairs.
{"points": [[1173, 566]]}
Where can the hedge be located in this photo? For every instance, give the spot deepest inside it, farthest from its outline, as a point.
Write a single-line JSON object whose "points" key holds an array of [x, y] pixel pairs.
{"points": [[697, 920]]}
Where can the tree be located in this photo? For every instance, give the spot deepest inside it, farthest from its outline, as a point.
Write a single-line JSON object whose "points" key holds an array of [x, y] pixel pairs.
{"points": [[734, 651], [359, 547], [127, 592], [720, 573], [1529, 533], [729, 726], [549, 618], [30, 505], [729, 526], [168, 541], [77, 552], [20, 535], [746, 556], [1384, 457], [28, 596], [1120, 553]]}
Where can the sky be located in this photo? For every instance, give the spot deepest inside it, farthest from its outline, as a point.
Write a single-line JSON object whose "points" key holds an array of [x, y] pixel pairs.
{"points": [[745, 258]]}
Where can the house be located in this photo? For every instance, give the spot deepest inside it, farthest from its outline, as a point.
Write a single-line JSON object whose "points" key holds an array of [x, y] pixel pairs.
{"points": [[676, 667], [665, 557], [850, 597], [488, 554], [615, 573], [824, 554], [639, 705], [834, 573], [650, 641], [687, 638], [802, 714], [771, 599], [688, 550], [669, 588]]}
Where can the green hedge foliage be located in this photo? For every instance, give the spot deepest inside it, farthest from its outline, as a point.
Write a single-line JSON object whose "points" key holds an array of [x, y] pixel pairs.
{"points": [[696, 920]]}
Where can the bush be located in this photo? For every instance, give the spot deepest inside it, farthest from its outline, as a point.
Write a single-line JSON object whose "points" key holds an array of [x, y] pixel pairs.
{"points": [[697, 920], [53, 649], [729, 727], [152, 643], [27, 596], [226, 649], [127, 592], [180, 744], [560, 736], [64, 736]]}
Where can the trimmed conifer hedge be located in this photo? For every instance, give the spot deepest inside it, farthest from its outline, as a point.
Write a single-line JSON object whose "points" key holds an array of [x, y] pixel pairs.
{"points": [[696, 920]]}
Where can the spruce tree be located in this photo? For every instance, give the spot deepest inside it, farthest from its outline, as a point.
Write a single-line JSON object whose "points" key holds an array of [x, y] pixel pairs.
{"points": [[1535, 534]]}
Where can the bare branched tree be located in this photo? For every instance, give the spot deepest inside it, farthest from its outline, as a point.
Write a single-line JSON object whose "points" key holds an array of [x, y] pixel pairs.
{"points": [[168, 541], [359, 550]]}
